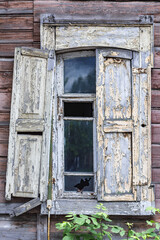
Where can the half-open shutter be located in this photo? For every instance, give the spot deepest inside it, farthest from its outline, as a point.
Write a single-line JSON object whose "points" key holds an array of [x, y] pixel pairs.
{"points": [[30, 124], [120, 168]]}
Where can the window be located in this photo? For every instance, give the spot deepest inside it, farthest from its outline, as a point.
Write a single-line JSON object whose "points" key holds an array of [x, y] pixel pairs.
{"points": [[76, 88], [101, 122]]}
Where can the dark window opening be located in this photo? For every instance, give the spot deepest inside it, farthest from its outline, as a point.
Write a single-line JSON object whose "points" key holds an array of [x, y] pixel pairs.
{"points": [[80, 75], [79, 183], [78, 148], [78, 109]]}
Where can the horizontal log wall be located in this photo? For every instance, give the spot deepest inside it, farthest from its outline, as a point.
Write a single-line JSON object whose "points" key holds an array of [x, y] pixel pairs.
{"points": [[20, 26]]}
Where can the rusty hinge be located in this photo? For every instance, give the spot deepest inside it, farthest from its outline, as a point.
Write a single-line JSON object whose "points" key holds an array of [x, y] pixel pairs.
{"points": [[139, 70]]}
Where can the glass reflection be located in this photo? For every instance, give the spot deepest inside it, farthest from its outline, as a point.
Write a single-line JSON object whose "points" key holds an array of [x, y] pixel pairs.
{"points": [[78, 148], [80, 75], [79, 183]]}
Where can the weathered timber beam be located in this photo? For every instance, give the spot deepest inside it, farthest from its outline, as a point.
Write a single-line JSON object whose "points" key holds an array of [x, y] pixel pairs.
{"points": [[25, 207], [55, 19]]}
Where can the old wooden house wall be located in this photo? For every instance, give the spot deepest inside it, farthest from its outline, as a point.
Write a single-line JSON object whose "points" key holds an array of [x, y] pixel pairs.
{"points": [[20, 26]]}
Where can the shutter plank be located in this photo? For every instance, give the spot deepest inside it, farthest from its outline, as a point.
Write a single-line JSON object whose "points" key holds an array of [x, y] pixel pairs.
{"points": [[115, 127], [27, 165], [30, 124]]}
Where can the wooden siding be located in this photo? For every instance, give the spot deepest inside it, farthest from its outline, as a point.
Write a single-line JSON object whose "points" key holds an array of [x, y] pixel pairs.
{"points": [[20, 26]]}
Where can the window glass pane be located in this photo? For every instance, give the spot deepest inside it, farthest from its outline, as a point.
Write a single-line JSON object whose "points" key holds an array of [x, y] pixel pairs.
{"points": [[78, 148], [79, 183], [80, 75], [78, 109]]}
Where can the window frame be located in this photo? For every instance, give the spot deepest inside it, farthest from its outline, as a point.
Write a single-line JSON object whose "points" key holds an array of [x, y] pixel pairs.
{"points": [[51, 35], [72, 97]]}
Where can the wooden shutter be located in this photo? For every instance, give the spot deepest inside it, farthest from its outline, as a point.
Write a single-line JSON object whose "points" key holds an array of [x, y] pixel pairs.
{"points": [[30, 124], [120, 94]]}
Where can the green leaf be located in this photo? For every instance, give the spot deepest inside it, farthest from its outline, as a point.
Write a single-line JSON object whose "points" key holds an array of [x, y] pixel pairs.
{"points": [[122, 233], [150, 230], [157, 225], [69, 237], [115, 230], [94, 220], [149, 223]]}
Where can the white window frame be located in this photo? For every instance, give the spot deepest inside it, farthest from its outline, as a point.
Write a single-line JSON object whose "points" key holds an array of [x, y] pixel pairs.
{"points": [[132, 35], [72, 97]]}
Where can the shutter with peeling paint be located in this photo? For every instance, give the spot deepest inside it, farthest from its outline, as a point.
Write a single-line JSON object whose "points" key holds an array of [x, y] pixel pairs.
{"points": [[30, 123], [122, 88]]}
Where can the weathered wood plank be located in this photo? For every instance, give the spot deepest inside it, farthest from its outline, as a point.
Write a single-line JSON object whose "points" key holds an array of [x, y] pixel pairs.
{"points": [[36, 32], [34, 125], [4, 133], [5, 100], [155, 116], [41, 227], [157, 202], [3, 149], [77, 36], [23, 227], [3, 166], [16, 36], [155, 155], [6, 80], [65, 206], [156, 34], [155, 98], [16, 23], [16, 7], [7, 50], [155, 79], [156, 175], [25, 207], [157, 191], [6, 65], [112, 10], [155, 133], [157, 57]]}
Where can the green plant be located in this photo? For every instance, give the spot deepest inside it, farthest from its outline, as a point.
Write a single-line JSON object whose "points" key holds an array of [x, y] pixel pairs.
{"points": [[98, 226], [152, 231], [84, 227]]}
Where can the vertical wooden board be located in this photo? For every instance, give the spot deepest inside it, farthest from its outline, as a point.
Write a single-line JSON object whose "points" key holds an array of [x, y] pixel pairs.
{"points": [[48, 37], [117, 164], [27, 167], [117, 88], [145, 129], [146, 44], [114, 141], [32, 94]]}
